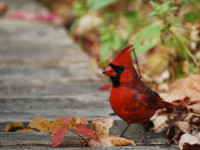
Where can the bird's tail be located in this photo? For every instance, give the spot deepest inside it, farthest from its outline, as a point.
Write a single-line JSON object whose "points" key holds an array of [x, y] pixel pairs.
{"points": [[164, 104]]}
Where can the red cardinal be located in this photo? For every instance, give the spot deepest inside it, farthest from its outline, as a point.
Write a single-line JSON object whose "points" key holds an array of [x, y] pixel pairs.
{"points": [[130, 98]]}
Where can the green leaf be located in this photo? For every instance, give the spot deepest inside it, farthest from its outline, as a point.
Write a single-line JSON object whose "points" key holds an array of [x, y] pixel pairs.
{"points": [[154, 4], [105, 48], [133, 17], [192, 68], [163, 10], [175, 22], [147, 38], [192, 17], [98, 4], [109, 40]]}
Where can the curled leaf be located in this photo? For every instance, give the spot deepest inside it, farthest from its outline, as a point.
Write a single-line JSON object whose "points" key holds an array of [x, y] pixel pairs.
{"points": [[184, 126], [101, 127], [13, 127], [188, 141]]}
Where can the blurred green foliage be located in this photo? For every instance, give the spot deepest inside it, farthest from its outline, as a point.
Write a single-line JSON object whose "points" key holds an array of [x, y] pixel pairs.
{"points": [[159, 25]]}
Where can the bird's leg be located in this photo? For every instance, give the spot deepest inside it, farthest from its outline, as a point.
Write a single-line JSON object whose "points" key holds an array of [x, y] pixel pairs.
{"points": [[122, 134], [144, 139]]}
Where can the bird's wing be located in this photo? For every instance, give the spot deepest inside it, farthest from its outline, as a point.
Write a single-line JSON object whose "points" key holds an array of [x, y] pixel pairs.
{"points": [[148, 100]]}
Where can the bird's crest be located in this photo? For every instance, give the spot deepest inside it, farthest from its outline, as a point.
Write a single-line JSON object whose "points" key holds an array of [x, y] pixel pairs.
{"points": [[124, 57]]}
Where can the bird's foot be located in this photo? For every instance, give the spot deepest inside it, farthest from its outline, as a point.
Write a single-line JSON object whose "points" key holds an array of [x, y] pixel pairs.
{"points": [[145, 140], [123, 136]]}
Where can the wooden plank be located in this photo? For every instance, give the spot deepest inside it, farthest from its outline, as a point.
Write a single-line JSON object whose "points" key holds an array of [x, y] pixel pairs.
{"points": [[43, 139]]}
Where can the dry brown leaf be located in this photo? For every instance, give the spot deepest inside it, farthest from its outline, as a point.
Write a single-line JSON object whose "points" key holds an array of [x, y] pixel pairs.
{"points": [[185, 94], [40, 123], [101, 127], [194, 120], [159, 122], [189, 142], [184, 126], [195, 108], [107, 141], [111, 141], [187, 87], [119, 141]]}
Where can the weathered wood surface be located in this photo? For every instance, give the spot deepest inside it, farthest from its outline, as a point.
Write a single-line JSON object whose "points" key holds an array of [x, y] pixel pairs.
{"points": [[43, 139]]}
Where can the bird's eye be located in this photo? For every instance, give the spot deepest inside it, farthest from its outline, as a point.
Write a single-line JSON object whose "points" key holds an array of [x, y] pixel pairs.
{"points": [[120, 68]]}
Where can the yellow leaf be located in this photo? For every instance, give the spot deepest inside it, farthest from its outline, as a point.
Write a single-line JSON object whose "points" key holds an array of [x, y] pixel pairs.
{"points": [[40, 123], [57, 124], [25, 130], [13, 126]]}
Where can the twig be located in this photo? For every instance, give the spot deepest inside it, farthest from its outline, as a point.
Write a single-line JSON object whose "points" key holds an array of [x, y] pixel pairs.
{"points": [[73, 138], [80, 136], [136, 61]]}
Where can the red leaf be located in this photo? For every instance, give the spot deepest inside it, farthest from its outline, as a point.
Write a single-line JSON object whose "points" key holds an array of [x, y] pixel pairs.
{"points": [[82, 129], [106, 87], [68, 120], [58, 137], [31, 16]]}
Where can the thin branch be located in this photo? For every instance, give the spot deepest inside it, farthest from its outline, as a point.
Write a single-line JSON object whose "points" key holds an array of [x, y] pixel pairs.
{"points": [[136, 61], [79, 136], [73, 138]]}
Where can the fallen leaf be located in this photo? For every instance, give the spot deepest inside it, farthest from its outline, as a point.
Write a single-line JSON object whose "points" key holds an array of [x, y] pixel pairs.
{"points": [[58, 137], [159, 122], [119, 141], [187, 87], [72, 123], [82, 129], [189, 142], [31, 16], [57, 124], [67, 120], [25, 130], [13, 127], [184, 126], [40, 123], [195, 108], [111, 141], [104, 142], [101, 127], [80, 120]]}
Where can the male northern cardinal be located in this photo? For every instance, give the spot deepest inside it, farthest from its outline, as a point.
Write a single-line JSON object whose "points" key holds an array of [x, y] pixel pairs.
{"points": [[130, 98]]}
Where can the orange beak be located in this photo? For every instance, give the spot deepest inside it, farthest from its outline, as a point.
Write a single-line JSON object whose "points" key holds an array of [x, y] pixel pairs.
{"points": [[109, 71]]}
